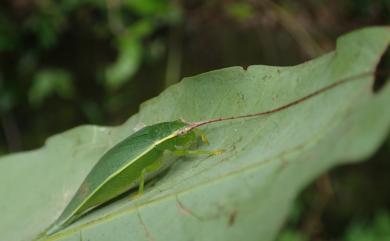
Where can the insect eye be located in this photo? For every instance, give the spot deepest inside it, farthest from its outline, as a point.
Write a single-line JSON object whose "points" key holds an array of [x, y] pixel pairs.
{"points": [[180, 133]]}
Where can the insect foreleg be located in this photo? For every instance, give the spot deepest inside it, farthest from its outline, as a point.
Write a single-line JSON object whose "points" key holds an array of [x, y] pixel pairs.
{"points": [[202, 136], [183, 147], [183, 152]]}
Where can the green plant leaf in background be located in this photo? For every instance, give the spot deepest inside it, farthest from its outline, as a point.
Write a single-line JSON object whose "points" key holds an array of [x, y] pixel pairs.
{"points": [[130, 46], [240, 10], [378, 229], [243, 194], [50, 81], [130, 40], [289, 235]]}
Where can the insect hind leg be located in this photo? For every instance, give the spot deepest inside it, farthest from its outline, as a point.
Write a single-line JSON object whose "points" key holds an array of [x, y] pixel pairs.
{"points": [[143, 177]]}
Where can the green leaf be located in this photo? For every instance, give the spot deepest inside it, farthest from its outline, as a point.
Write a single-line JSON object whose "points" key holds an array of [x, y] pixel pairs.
{"points": [[242, 11], [50, 81], [290, 235], [378, 229], [131, 50], [244, 193], [126, 65], [151, 7]]}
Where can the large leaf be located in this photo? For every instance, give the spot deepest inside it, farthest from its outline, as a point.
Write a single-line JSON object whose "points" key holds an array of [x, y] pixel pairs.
{"points": [[244, 193]]}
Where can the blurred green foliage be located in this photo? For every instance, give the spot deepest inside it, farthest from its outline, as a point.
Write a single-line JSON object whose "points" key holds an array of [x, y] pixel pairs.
{"points": [[377, 229], [50, 81], [65, 63], [76, 55], [291, 235], [130, 54], [242, 10]]}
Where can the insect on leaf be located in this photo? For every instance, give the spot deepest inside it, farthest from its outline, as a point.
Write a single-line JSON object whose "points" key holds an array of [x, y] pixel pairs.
{"points": [[242, 194]]}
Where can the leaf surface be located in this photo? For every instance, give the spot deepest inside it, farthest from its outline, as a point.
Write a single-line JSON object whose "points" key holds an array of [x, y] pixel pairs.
{"points": [[242, 194]]}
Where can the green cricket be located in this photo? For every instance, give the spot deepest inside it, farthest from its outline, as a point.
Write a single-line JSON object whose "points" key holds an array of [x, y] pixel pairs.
{"points": [[138, 159]]}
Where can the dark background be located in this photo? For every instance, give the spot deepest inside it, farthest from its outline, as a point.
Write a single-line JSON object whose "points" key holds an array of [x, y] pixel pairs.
{"points": [[67, 63]]}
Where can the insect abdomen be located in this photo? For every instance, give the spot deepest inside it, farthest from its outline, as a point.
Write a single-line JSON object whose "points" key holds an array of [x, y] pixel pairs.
{"points": [[118, 169]]}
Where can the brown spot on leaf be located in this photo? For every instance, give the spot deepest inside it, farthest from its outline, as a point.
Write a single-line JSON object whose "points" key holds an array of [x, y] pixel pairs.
{"points": [[232, 217]]}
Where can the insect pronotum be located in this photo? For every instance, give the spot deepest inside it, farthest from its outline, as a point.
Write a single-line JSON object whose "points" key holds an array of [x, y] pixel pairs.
{"points": [[138, 158]]}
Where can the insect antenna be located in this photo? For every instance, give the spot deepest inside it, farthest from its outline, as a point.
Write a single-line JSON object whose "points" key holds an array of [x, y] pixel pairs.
{"points": [[295, 102]]}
